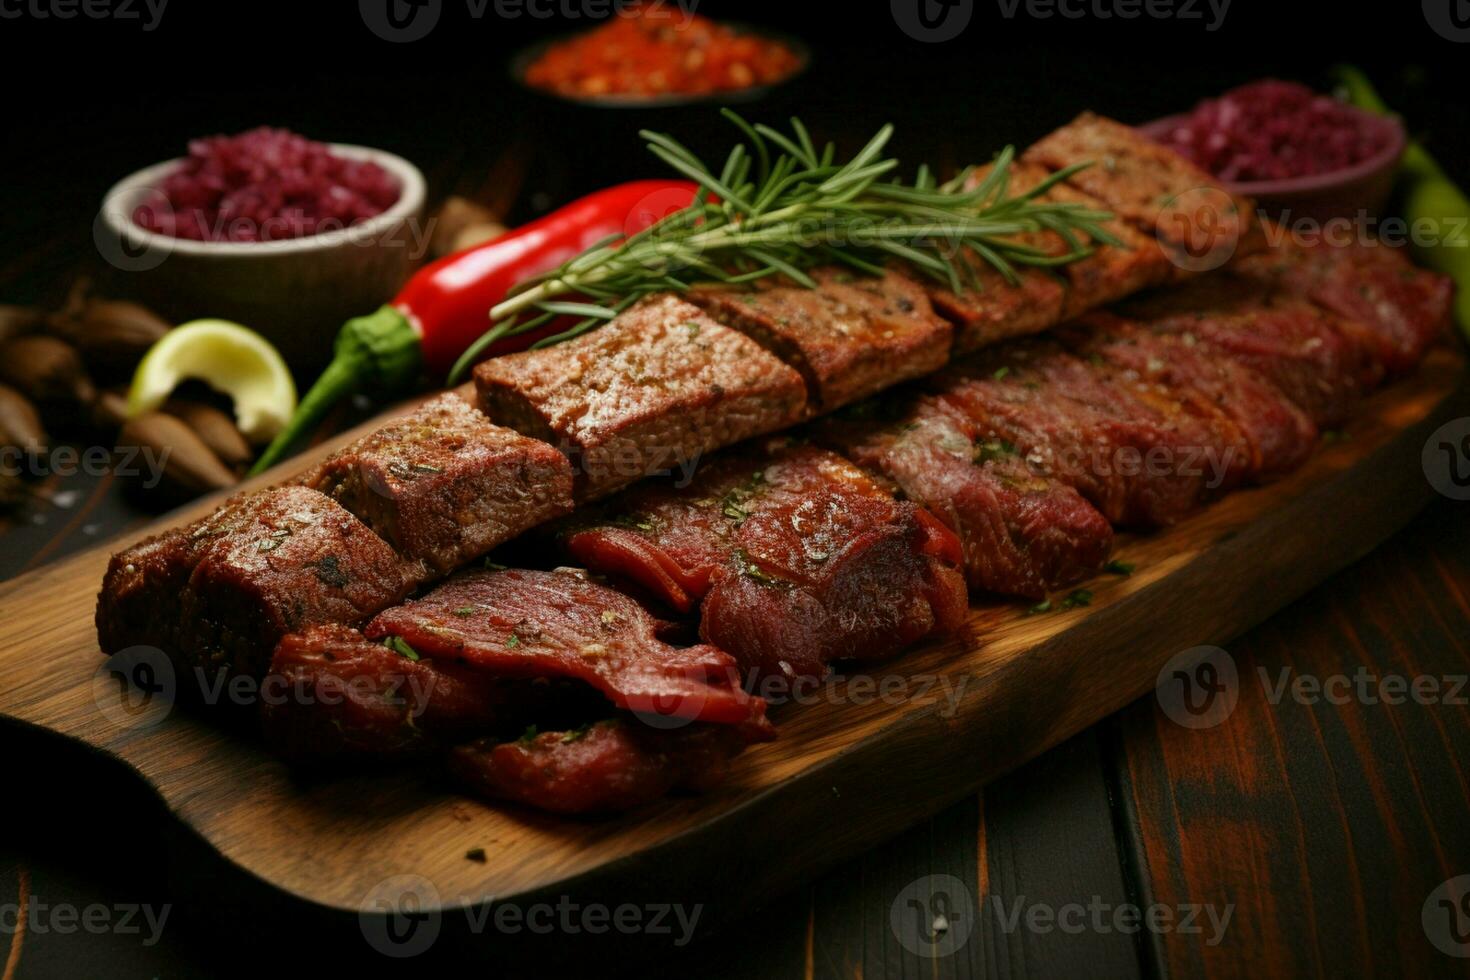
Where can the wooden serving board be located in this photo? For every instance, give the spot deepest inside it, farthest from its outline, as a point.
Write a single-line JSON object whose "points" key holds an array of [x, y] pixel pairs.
{"points": [[847, 771]]}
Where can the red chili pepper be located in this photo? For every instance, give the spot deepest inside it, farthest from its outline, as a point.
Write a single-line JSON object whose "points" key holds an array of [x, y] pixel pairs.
{"points": [[446, 306]]}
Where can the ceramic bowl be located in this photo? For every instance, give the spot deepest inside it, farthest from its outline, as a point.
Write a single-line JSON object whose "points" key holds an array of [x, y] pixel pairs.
{"points": [[295, 292]]}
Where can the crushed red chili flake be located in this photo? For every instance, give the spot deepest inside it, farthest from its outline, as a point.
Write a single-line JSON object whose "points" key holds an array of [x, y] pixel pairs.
{"points": [[658, 49], [1270, 130], [265, 185]]}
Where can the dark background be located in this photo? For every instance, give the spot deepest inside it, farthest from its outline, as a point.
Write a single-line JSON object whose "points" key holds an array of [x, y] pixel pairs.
{"points": [[88, 101], [91, 100]]}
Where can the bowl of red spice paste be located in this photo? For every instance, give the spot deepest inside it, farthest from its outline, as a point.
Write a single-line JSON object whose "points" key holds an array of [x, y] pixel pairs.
{"points": [[287, 235], [648, 55], [585, 98]]}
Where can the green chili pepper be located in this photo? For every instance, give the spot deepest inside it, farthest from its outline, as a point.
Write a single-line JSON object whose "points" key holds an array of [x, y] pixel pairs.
{"points": [[1428, 196]]}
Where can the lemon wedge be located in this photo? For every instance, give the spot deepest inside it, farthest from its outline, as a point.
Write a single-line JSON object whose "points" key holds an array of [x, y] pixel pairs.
{"points": [[232, 359]]}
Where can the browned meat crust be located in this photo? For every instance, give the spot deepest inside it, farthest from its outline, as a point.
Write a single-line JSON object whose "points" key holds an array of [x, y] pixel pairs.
{"points": [[444, 486], [1023, 533], [517, 623], [222, 592], [1112, 271], [1369, 287], [1274, 432], [1153, 188], [1140, 455], [993, 309], [650, 392], [331, 694], [849, 337], [793, 556]]}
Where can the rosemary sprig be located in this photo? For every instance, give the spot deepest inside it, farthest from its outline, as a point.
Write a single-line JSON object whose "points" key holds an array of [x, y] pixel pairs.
{"points": [[780, 206]]}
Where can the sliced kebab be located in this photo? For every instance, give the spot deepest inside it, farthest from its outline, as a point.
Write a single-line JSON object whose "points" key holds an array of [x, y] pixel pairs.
{"points": [[792, 556], [444, 486]]}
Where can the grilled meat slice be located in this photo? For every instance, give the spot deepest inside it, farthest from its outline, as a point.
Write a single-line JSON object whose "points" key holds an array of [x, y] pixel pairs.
{"points": [[222, 592], [1155, 189], [1112, 271], [849, 336], [993, 309], [611, 766], [1277, 435], [1139, 455], [1023, 533], [793, 556], [1406, 310], [331, 694], [651, 391], [515, 623], [1323, 363], [444, 486]]}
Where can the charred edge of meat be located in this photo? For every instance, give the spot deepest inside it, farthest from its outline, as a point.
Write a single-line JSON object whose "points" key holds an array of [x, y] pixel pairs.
{"points": [[444, 485], [261, 566]]}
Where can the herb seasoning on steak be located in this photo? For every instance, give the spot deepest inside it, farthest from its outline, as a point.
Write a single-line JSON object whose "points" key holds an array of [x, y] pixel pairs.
{"points": [[331, 694], [222, 592], [793, 556], [516, 623], [444, 486], [1274, 433], [1023, 533], [650, 392], [850, 336], [1157, 190], [1138, 454]]}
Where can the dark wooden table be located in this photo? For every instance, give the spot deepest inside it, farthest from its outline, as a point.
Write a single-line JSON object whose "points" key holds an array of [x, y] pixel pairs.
{"points": [[1302, 836], [1319, 829]]}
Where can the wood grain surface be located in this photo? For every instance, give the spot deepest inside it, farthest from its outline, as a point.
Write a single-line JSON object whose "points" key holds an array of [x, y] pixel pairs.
{"points": [[852, 772], [1366, 817]]}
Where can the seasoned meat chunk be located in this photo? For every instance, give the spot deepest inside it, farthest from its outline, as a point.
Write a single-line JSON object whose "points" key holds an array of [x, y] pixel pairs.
{"points": [[849, 337], [1404, 309], [612, 765], [331, 694], [1112, 271], [444, 486], [524, 624], [1023, 533], [651, 391], [223, 591], [993, 308], [1138, 454], [1277, 435], [1324, 363], [1154, 188], [793, 556]]}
